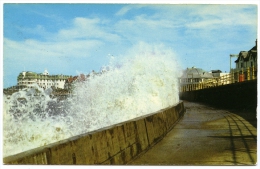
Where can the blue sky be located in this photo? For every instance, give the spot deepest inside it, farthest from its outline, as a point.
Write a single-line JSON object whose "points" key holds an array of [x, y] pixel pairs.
{"points": [[77, 38]]}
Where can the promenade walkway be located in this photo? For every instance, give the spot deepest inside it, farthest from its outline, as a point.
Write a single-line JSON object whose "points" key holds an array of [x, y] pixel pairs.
{"points": [[206, 136]]}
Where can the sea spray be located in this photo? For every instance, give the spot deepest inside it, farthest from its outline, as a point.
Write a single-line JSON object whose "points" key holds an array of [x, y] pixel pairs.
{"points": [[142, 82]]}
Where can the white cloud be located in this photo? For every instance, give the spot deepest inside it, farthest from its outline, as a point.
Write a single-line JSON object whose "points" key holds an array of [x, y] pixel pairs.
{"points": [[33, 48], [207, 16], [84, 37], [211, 16], [123, 10], [85, 28], [55, 18]]}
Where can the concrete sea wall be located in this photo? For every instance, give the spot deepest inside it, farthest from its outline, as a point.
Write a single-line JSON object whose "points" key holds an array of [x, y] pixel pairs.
{"points": [[236, 95], [117, 144]]}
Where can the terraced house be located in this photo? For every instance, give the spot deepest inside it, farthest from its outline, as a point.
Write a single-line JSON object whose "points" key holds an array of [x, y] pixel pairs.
{"points": [[247, 58], [247, 62], [44, 80]]}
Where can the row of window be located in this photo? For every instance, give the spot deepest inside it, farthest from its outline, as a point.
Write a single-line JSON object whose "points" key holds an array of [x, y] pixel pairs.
{"points": [[50, 80], [27, 83], [244, 65], [191, 80], [26, 80]]}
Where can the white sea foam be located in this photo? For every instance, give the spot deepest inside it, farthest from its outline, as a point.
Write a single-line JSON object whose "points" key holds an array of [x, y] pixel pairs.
{"points": [[141, 82]]}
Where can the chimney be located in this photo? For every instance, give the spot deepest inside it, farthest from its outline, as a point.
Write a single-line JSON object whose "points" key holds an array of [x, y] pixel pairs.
{"points": [[256, 42]]}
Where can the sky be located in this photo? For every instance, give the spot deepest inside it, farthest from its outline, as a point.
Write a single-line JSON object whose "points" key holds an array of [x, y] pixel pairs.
{"points": [[77, 38]]}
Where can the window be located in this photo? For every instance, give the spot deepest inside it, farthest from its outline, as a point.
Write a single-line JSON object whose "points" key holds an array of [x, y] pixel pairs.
{"points": [[242, 64], [251, 64]]}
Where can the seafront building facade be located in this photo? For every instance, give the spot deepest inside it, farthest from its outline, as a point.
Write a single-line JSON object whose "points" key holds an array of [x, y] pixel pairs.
{"points": [[44, 80], [246, 65], [246, 70], [247, 58], [193, 77]]}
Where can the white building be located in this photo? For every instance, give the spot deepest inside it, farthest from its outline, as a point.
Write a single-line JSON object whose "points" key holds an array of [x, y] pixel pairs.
{"points": [[44, 80], [193, 77], [222, 78]]}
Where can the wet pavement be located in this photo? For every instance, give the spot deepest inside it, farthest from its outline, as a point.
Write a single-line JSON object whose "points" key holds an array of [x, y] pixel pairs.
{"points": [[205, 136]]}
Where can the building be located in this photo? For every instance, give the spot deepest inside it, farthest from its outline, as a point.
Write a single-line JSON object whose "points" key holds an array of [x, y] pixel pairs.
{"points": [[246, 64], [44, 80], [196, 78], [218, 73], [193, 77], [222, 78], [247, 58], [69, 83]]}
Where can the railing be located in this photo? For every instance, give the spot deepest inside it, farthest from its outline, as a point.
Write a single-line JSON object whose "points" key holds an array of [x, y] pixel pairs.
{"points": [[235, 76]]}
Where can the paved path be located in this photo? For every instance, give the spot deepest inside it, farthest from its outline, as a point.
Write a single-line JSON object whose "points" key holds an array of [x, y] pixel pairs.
{"points": [[205, 136]]}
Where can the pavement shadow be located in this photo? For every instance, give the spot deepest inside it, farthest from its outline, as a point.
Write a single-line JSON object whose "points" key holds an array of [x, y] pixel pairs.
{"points": [[249, 112]]}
